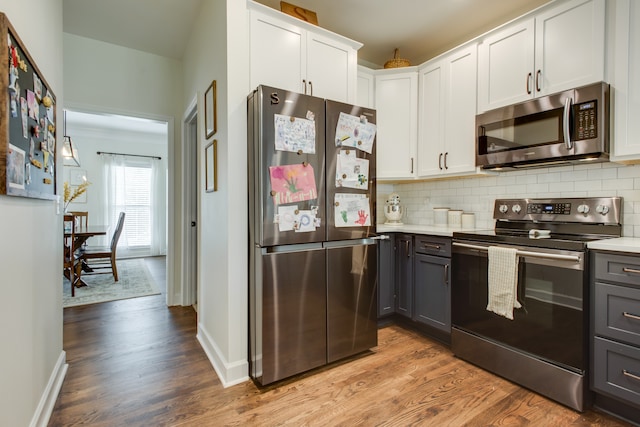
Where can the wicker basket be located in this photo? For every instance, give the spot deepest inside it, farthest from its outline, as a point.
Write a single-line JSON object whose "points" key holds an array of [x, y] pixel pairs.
{"points": [[397, 62]]}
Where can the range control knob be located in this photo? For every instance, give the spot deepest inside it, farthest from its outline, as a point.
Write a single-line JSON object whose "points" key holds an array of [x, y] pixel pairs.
{"points": [[602, 209], [516, 208], [503, 208], [584, 209]]}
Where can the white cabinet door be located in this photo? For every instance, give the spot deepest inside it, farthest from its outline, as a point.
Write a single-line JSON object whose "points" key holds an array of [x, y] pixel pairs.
{"points": [[570, 46], [431, 122], [331, 69], [366, 87], [506, 66], [560, 48], [460, 113], [277, 53], [299, 59], [625, 88], [397, 127], [447, 114]]}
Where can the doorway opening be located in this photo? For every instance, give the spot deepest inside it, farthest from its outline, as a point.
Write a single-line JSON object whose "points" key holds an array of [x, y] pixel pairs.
{"points": [[125, 160]]}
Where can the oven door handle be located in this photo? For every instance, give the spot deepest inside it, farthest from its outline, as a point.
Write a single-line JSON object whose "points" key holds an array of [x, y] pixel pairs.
{"points": [[558, 257]]}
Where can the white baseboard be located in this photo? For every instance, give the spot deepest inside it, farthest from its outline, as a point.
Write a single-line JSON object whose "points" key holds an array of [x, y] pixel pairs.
{"points": [[229, 373], [50, 395]]}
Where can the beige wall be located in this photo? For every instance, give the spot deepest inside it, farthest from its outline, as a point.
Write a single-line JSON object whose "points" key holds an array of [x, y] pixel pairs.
{"points": [[218, 51], [102, 77], [32, 361]]}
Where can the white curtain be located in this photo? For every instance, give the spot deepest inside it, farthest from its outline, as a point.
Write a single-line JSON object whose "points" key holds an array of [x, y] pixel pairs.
{"points": [[136, 186]]}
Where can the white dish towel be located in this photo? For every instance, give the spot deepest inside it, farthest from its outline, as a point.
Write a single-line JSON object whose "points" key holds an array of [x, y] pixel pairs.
{"points": [[503, 281]]}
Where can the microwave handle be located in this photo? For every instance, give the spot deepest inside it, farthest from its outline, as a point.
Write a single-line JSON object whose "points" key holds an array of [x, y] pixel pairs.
{"points": [[565, 123]]}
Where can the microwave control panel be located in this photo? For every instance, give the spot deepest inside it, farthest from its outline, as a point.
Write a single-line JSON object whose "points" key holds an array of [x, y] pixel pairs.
{"points": [[585, 121]]}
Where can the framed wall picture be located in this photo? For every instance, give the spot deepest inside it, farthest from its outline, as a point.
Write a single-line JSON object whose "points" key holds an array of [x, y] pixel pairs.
{"points": [[211, 166], [211, 110]]}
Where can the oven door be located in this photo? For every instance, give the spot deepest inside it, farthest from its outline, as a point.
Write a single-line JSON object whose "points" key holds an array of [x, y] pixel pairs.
{"points": [[552, 322]]}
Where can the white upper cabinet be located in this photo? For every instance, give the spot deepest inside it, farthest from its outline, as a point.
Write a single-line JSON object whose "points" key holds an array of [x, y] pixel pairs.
{"points": [[366, 88], [625, 87], [396, 96], [560, 48], [290, 54], [447, 114]]}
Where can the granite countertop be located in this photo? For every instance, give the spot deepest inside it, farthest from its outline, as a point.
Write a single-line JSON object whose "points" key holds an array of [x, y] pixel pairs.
{"points": [[620, 244], [431, 230]]}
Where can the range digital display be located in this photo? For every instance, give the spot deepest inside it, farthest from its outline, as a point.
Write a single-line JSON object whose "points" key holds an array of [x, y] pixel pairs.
{"points": [[549, 208]]}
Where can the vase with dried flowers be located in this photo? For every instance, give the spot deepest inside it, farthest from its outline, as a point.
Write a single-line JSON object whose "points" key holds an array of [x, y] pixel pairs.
{"points": [[69, 196]]}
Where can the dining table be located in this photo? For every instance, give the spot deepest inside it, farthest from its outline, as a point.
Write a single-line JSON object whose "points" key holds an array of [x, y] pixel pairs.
{"points": [[80, 235]]}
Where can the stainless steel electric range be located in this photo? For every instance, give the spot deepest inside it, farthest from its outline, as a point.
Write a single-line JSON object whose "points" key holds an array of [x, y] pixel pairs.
{"points": [[544, 347]]}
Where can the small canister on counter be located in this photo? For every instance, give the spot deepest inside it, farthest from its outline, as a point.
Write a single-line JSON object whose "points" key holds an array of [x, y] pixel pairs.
{"points": [[440, 216], [454, 218], [468, 220]]}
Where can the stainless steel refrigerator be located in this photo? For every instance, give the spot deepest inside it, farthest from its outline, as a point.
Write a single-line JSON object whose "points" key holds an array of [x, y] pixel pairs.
{"points": [[312, 246]]}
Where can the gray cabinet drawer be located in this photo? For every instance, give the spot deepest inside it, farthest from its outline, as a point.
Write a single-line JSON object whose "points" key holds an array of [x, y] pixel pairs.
{"points": [[617, 312], [617, 370], [618, 268], [433, 245]]}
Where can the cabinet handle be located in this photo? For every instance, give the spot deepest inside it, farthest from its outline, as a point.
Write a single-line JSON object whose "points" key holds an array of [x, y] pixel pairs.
{"points": [[445, 160], [630, 270], [529, 84], [538, 80], [630, 375], [304, 82], [412, 165], [407, 248], [311, 87], [431, 246], [446, 274], [440, 161], [631, 316]]}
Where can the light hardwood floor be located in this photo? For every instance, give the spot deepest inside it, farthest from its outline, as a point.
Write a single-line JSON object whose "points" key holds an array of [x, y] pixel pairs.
{"points": [[138, 363]]}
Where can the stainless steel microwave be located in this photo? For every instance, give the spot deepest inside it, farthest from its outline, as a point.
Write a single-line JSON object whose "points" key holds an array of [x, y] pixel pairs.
{"points": [[565, 128]]}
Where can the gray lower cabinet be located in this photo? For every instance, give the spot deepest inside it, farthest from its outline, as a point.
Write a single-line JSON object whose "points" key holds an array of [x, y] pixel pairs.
{"points": [[615, 288], [386, 276], [414, 280], [432, 292], [431, 282], [404, 275]]}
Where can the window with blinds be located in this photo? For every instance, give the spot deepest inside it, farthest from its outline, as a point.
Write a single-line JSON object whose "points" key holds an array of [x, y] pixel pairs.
{"points": [[133, 196]]}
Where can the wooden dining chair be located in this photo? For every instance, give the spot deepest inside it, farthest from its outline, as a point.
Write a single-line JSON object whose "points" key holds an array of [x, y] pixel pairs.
{"points": [[100, 260], [82, 217], [72, 264]]}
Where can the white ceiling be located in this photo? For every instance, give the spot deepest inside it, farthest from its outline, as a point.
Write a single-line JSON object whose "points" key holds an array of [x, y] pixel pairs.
{"points": [[421, 29]]}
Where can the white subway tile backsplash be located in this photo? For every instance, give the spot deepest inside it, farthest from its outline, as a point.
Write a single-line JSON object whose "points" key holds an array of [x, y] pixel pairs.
{"points": [[628, 172], [477, 194], [617, 184]]}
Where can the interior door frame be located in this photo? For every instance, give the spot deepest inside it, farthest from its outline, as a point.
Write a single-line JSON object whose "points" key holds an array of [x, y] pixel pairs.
{"points": [[190, 205]]}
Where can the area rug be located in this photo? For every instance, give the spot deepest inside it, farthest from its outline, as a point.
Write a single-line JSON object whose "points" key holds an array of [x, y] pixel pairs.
{"points": [[134, 280]]}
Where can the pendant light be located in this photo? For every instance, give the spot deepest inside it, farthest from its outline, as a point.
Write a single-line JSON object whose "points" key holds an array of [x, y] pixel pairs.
{"points": [[69, 150]]}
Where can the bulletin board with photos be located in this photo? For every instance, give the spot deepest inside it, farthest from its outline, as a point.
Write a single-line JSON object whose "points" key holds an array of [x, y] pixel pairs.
{"points": [[27, 123]]}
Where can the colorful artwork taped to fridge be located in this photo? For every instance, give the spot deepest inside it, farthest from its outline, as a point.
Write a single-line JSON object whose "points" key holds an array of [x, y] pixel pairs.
{"points": [[357, 132], [305, 221], [292, 183], [285, 218], [352, 210], [351, 171], [295, 134], [289, 218]]}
